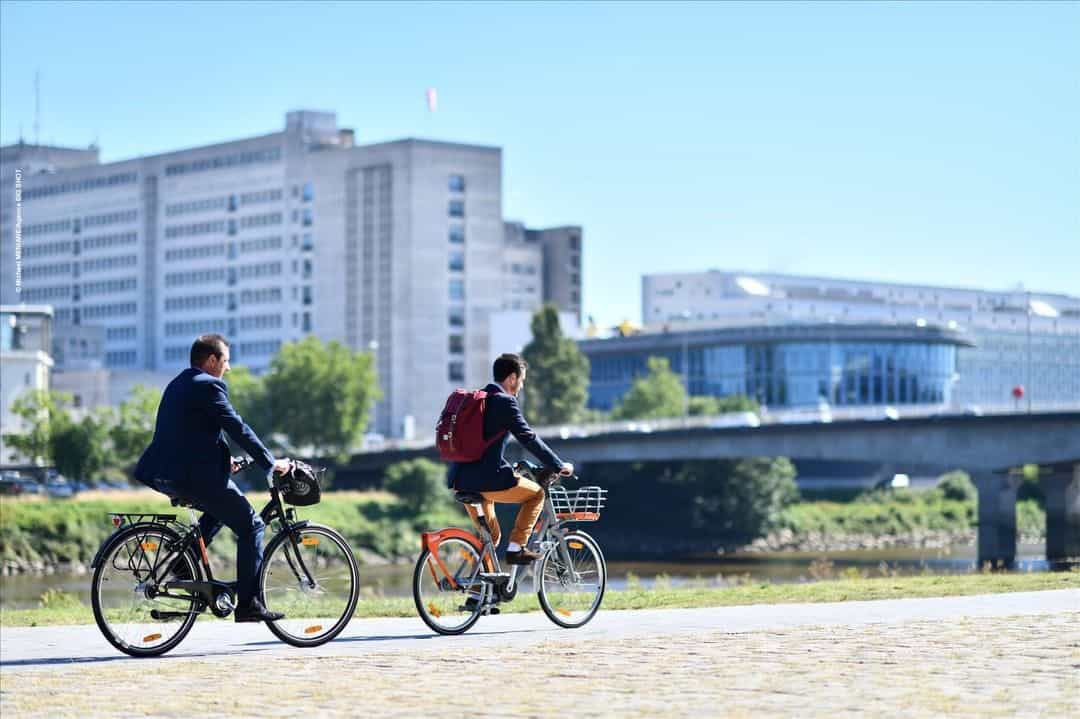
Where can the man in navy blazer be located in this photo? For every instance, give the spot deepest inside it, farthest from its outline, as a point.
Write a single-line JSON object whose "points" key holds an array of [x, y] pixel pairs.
{"points": [[492, 476], [189, 457]]}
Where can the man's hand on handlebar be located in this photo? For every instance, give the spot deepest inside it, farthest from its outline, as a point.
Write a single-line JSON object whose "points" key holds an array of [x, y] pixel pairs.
{"points": [[567, 469], [282, 466]]}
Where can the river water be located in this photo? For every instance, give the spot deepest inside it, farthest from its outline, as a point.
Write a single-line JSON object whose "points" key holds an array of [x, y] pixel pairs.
{"points": [[23, 591]]}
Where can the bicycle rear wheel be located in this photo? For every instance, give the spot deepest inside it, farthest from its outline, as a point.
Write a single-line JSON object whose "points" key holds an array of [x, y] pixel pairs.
{"points": [[446, 591], [571, 586], [127, 609], [314, 582]]}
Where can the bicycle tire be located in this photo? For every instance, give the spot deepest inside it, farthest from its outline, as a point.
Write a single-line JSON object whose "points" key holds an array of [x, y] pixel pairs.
{"points": [[281, 544], [140, 532], [554, 611], [429, 613]]}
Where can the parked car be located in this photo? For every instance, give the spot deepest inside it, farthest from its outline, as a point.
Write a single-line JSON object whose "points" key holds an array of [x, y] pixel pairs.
{"points": [[59, 488], [15, 484]]}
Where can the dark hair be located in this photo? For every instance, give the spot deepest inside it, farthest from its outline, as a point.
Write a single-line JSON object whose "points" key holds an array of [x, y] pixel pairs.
{"points": [[508, 364], [205, 346]]}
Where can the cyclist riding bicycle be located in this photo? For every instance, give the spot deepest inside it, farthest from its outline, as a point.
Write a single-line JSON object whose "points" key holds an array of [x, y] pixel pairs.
{"points": [[189, 456], [492, 476]]}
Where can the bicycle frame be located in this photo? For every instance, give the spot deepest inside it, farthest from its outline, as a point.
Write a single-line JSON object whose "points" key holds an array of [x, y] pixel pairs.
{"points": [[207, 592], [549, 529]]}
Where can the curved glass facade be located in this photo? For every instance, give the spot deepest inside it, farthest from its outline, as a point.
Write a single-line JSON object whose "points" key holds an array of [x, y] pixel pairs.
{"points": [[791, 373]]}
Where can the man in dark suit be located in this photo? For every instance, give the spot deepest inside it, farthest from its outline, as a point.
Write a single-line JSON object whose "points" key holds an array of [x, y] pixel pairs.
{"points": [[492, 476], [189, 457]]}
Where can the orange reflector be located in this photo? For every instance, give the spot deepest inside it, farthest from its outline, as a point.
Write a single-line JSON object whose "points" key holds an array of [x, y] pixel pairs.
{"points": [[149, 546], [151, 637], [563, 612], [309, 541], [433, 610], [313, 629], [575, 545], [465, 555]]}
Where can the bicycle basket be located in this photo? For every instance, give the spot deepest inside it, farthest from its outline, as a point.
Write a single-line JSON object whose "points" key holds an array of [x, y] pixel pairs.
{"points": [[301, 487], [577, 505]]}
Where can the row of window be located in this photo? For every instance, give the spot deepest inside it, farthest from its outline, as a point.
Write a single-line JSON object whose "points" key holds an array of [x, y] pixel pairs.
{"points": [[120, 358], [194, 229], [264, 269], [114, 240], [215, 163], [109, 218], [267, 294], [272, 218], [90, 183], [195, 277], [111, 310], [261, 196], [195, 327], [114, 334], [519, 269], [46, 294], [63, 247], [194, 302], [36, 271], [267, 347], [195, 252], [261, 243], [259, 322], [44, 228], [108, 286], [110, 263], [183, 208]]}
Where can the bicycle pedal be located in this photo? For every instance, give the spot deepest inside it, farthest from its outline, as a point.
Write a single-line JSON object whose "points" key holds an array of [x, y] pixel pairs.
{"points": [[490, 611]]}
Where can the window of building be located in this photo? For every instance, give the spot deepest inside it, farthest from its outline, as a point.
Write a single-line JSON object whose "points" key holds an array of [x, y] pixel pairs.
{"points": [[76, 226], [457, 260], [307, 269], [308, 217], [456, 371], [232, 227], [308, 243], [307, 322], [575, 242], [457, 208], [309, 191], [457, 183], [457, 316], [295, 216], [232, 203], [457, 289], [457, 344], [307, 294], [457, 235]]}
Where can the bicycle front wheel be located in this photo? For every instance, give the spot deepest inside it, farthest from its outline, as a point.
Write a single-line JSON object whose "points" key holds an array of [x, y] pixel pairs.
{"points": [[313, 580], [446, 589], [128, 607], [572, 579]]}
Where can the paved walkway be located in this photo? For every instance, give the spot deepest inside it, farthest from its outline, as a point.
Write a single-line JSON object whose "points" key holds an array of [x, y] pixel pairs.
{"points": [[995, 655]]}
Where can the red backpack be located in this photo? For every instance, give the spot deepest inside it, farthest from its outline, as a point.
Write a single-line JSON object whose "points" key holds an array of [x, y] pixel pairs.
{"points": [[459, 435]]}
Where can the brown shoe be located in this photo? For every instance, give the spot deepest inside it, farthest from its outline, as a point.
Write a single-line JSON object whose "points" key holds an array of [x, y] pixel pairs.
{"points": [[522, 556]]}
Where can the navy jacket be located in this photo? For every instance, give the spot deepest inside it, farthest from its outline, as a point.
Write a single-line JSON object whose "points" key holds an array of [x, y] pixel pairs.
{"points": [[189, 446], [492, 472]]}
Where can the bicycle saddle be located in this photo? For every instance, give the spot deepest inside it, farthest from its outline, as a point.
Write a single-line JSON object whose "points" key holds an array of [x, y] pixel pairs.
{"points": [[468, 497], [182, 502]]}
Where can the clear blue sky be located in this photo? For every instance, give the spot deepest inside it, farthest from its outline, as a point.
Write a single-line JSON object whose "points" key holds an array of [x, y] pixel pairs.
{"points": [[914, 142]]}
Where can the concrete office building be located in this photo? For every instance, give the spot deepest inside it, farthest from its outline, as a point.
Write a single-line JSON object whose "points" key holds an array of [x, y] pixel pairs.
{"points": [[396, 248], [25, 337], [1011, 337]]}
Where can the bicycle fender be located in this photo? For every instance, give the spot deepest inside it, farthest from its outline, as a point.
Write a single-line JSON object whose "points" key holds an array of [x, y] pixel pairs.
{"points": [[111, 540], [431, 540]]}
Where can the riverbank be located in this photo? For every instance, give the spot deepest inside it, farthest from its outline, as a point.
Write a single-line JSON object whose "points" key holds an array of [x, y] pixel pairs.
{"points": [[46, 536], [59, 608]]}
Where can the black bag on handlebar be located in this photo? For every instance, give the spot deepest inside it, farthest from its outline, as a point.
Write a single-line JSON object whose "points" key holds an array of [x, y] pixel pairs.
{"points": [[301, 487]]}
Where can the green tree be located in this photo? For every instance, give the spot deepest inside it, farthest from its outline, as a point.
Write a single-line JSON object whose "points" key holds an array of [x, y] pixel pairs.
{"points": [[320, 395], [38, 410], [558, 375], [957, 485], [80, 447], [707, 405], [741, 499], [132, 426], [660, 393], [247, 393], [420, 484]]}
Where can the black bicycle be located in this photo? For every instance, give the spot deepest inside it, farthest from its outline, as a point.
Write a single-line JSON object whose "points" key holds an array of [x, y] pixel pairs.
{"points": [[152, 576]]}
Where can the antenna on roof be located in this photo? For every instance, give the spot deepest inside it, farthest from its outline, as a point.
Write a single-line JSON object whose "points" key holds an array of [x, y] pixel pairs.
{"points": [[37, 105]]}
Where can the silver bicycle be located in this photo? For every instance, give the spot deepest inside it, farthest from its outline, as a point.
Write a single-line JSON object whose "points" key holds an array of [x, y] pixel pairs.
{"points": [[458, 577]]}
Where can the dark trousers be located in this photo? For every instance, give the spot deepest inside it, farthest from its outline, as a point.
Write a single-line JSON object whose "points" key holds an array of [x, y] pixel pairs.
{"points": [[225, 505]]}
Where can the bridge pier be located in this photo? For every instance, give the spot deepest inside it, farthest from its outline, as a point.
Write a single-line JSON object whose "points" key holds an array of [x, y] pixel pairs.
{"points": [[1061, 488], [997, 518]]}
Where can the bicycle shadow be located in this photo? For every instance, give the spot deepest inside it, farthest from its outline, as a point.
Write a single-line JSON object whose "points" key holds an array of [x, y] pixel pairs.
{"points": [[58, 661], [394, 637]]}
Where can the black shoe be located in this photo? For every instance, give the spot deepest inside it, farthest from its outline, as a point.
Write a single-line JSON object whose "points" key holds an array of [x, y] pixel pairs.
{"points": [[522, 556], [256, 612]]}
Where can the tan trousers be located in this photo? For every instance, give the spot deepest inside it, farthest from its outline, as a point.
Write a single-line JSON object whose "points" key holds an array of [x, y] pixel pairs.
{"points": [[528, 494]]}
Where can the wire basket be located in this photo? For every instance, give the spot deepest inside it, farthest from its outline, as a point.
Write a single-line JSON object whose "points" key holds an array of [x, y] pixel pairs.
{"points": [[577, 505]]}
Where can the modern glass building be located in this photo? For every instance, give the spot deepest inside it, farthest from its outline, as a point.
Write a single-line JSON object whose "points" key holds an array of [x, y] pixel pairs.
{"points": [[789, 365]]}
